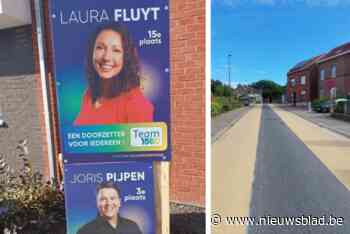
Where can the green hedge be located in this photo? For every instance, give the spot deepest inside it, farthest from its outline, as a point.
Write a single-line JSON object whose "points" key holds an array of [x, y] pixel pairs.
{"points": [[340, 107], [222, 104]]}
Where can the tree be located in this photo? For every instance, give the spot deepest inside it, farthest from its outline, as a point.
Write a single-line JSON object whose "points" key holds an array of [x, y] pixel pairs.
{"points": [[269, 89], [219, 89], [215, 84]]}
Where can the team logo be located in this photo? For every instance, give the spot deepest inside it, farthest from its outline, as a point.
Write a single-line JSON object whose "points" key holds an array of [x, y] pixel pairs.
{"points": [[151, 136]]}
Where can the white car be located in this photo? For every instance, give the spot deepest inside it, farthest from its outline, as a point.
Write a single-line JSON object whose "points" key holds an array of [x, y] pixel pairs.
{"points": [[341, 100], [2, 122]]}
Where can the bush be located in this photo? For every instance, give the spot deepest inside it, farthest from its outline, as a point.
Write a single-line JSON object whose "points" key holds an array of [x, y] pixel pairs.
{"points": [[340, 107], [28, 204], [216, 107], [223, 104]]}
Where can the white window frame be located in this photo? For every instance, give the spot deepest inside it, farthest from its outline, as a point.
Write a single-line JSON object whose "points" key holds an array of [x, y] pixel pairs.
{"points": [[303, 80], [292, 82], [322, 72], [334, 70], [333, 92]]}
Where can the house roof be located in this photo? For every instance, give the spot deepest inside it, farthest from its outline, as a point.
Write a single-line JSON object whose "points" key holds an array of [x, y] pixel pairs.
{"points": [[299, 65], [305, 64], [336, 52]]}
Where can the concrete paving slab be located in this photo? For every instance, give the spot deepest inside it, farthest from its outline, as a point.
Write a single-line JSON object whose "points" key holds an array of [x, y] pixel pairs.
{"points": [[220, 124], [233, 160]]}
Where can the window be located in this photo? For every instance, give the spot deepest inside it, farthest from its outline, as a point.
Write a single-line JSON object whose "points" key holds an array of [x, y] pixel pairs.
{"points": [[333, 92], [303, 92], [322, 74], [292, 82], [334, 71], [302, 80], [321, 93]]}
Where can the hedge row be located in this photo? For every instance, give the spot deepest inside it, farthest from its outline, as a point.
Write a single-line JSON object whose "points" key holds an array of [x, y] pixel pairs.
{"points": [[220, 104]]}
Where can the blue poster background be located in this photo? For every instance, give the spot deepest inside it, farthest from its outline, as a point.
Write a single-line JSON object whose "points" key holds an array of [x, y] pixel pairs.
{"points": [[72, 24], [80, 193]]}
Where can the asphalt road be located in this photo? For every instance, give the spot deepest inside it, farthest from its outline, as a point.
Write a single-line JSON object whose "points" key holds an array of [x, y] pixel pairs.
{"points": [[289, 180]]}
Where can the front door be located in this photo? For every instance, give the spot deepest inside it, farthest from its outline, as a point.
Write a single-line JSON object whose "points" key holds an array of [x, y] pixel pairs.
{"points": [[294, 98]]}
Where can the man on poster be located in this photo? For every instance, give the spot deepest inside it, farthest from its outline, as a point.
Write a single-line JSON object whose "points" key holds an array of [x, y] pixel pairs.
{"points": [[108, 220]]}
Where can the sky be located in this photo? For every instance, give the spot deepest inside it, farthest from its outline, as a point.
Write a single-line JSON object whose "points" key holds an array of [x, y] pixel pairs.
{"points": [[266, 38]]}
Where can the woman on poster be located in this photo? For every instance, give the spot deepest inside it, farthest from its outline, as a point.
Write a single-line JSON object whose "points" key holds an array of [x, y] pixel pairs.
{"points": [[113, 95]]}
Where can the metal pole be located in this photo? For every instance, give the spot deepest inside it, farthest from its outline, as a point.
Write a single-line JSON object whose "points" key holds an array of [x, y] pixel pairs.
{"points": [[229, 69], [45, 86]]}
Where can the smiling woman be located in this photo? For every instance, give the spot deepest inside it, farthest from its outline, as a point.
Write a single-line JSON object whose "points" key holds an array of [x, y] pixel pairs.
{"points": [[108, 54], [113, 95]]}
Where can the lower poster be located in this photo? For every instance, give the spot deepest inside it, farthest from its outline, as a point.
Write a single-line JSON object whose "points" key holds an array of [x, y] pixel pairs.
{"points": [[103, 198]]}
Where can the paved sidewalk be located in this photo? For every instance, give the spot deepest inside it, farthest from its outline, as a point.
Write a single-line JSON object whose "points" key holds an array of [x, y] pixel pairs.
{"points": [[322, 119], [233, 160], [223, 122]]}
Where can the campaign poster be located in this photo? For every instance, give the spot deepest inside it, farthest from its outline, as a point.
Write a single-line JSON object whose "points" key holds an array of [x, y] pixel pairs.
{"points": [[112, 75], [110, 197]]}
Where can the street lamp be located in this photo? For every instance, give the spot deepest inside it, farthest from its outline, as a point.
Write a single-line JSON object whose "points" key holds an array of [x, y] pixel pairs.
{"points": [[229, 69]]}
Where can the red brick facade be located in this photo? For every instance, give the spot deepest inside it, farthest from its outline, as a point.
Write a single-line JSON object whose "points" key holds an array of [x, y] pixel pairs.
{"points": [[327, 75], [341, 78], [302, 82], [296, 90], [187, 28]]}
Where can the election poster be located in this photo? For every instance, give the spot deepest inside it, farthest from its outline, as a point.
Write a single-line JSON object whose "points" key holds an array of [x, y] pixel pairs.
{"points": [[112, 76], [109, 198]]}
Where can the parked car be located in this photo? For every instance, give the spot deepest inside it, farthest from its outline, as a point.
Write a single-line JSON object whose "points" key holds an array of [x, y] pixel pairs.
{"points": [[323, 107], [246, 102]]}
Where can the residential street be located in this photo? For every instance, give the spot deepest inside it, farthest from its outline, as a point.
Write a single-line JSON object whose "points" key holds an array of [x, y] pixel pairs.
{"points": [[274, 163]]}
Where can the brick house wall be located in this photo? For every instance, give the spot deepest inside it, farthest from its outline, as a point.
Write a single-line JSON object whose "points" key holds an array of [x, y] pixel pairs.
{"points": [[20, 100], [299, 88], [187, 28], [309, 69], [313, 87], [187, 45], [342, 79], [19, 105]]}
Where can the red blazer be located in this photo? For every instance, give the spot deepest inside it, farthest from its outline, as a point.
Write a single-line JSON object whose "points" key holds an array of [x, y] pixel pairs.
{"points": [[129, 107]]}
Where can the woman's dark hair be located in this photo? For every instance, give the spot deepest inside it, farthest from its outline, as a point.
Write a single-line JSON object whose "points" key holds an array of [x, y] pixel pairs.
{"points": [[107, 184], [128, 77]]}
